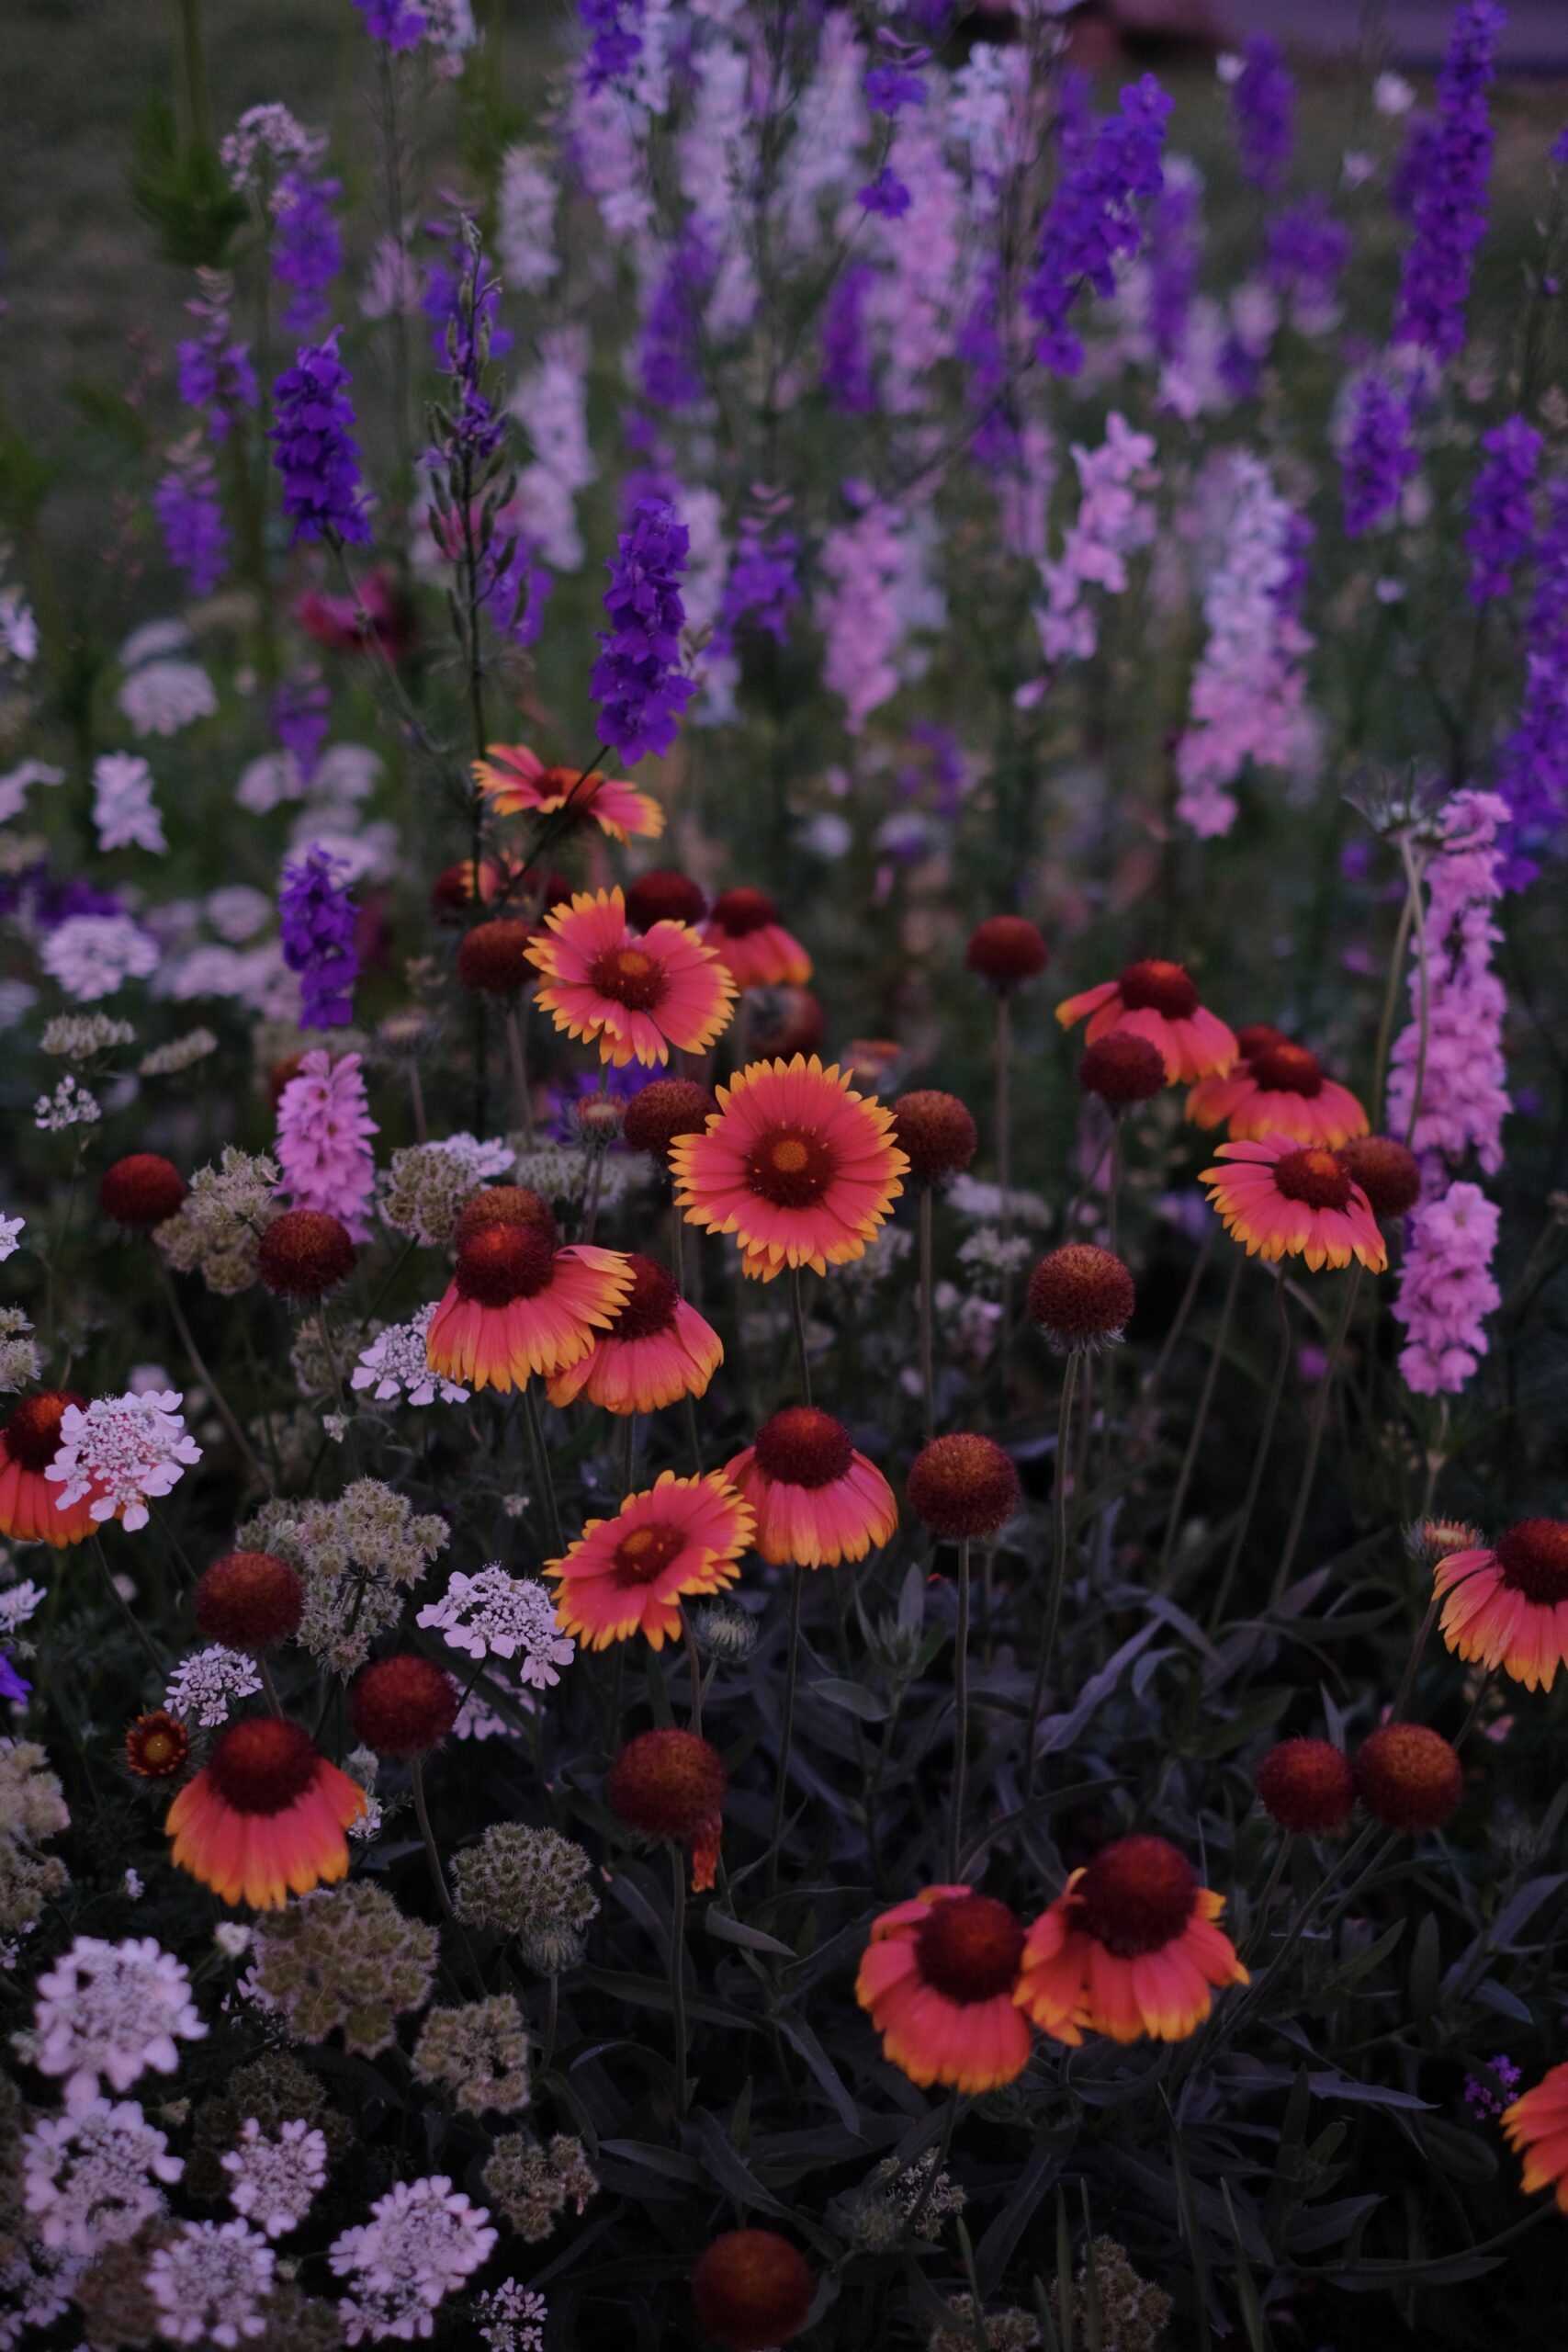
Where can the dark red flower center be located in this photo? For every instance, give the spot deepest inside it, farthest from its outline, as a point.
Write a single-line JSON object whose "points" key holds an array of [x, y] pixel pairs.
{"points": [[667, 1783], [556, 784], [740, 912], [1533, 1557], [1256, 1036], [1155, 986], [32, 1432], [649, 1305], [804, 1446], [1122, 1068], [506, 1205], [630, 976], [263, 1765], [1137, 1895], [1313, 1176], [502, 1262], [1387, 1172], [790, 1167], [1285, 1068], [648, 1551], [664, 895], [970, 1948], [668, 1108]]}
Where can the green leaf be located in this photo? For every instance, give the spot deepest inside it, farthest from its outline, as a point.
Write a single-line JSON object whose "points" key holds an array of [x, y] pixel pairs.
{"points": [[854, 1697], [727, 1929], [1192, 2228], [182, 190]]}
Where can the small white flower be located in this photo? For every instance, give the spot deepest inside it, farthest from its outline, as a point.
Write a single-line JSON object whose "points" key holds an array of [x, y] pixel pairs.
{"points": [[121, 1453], [123, 808], [15, 786], [70, 1105], [274, 2176], [512, 2317], [163, 696], [232, 1940], [93, 955], [395, 1364], [152, 642], [269, 131], [422, 2239], [495, 1614], [1228, 66], [211, 2282], [204, 1684], [112, 2011], [18, 1603], [237, 912], [1393, 95], [10, 1231], [89, 2176], [133, 1886]]}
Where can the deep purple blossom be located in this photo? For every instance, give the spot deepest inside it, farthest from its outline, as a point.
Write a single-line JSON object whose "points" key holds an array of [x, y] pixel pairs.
{"points": [[1093, 217], [1307, 251], [214, 372], [307, 251], [314, 449], [1533, 770], [1263, 100], [891, 87], [846, 349], [397, 22], [191, 519], [1075, 116], [316, 917], [459, 327], [762, 586], [300, 718], [1378, 456], [1447, 188], [669, 367], [614, 40], [886, 194], [635, 682], [1502, 515], [1173, 260], [515, 588], [12, 1687]]}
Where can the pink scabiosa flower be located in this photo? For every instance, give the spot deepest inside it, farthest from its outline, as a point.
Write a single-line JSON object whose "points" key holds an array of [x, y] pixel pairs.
{"points": [[627, 1574], [1282, 1199], [655, 1349], [634, 994], [1158, 1000], [324, 1148], [819, 1502], [516, 782], [1507, 1605], [1278, 1090], [121, 1453]]}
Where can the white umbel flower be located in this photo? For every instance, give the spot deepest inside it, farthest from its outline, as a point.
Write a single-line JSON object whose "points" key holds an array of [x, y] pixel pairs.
{"points": [[110, 2011]]}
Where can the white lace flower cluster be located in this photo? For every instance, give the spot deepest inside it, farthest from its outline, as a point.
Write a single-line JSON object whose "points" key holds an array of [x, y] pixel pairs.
{"points": [[395, 1365], [422, 2239], [90, 2178], [512, 2318], [205, 1684], [110, 2011], [274, 2175], [121, 1453], [71, 1105], [210, 2283], [506, 1616]]}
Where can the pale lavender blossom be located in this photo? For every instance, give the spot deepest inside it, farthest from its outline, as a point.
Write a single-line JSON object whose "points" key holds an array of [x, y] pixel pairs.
{"points": [[92, 2176], [208, 1683], [395, 1365], [1463, 1099], [495, 1614], [209, 2284], [123, 809], [110, 2011], [122, 1453]]}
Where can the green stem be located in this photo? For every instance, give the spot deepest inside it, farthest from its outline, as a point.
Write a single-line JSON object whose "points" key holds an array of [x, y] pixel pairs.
{"points": [[194, 1357], [960, 1715], [797, 1312], [1259, 1459], [1201, 1418], [1314, 1438], [1058, 1563], [678, 1974], [132, 1618], [1413, 879], [928, 1353], [538, 1455], [786, 1724]]}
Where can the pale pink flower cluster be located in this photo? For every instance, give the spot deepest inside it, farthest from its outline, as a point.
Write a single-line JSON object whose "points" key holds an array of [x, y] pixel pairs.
{"points": [[122, 1453], [914, 302], [91, 2177], [1463, 1099], [525, 214], [323, 1131], [396, 1364], [495, 1614], [112, 2011], [209, 2284], [274, 2175], [1446, 1289], [422, 2239], [1248, 689], [123, 809], [857, 612], [1115, 518]]}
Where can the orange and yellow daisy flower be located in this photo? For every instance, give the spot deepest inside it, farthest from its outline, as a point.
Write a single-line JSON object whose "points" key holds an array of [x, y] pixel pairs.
{"points": [[744, 928], [518, 1303], [1507, 1603], [30, 1511], [265, 1818], [939, 1980], [516, 782], [1537, 2126], [1158, 1000], [1284, 1199], [819, 1502], [795, 1163], [638, 993], [654, 1350], [626, 1575], [1278, 1089], [1129, 1948]]}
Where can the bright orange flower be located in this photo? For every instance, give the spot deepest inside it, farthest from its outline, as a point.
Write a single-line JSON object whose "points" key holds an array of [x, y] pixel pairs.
{"points": [[638, 993], [517, 1303], [1129, 1948], [655, 1349], [1285, 1199], [265, 1818], [1508, 1604], [626, 1575], [1280, 1089], [819, 1502], [29, 1440], [797, 1165], [744, 928], [939, 1980], [1537, 2126], [515, 781], [1158, 1000]]}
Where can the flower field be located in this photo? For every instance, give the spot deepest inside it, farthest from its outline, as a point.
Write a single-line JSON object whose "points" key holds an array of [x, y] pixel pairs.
{"points": [[784, 1474]]}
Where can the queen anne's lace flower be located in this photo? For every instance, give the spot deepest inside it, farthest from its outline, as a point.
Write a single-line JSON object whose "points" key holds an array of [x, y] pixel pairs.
{"points": [[163, 696], [275, 2176], [423, 2239], [112, 2011], [71, 1105], [394, 1365], [122, 1451], [93, 956], [203, 1684], [210, 2283], [512, 1617], [512, 2318], [90, 2178]]}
